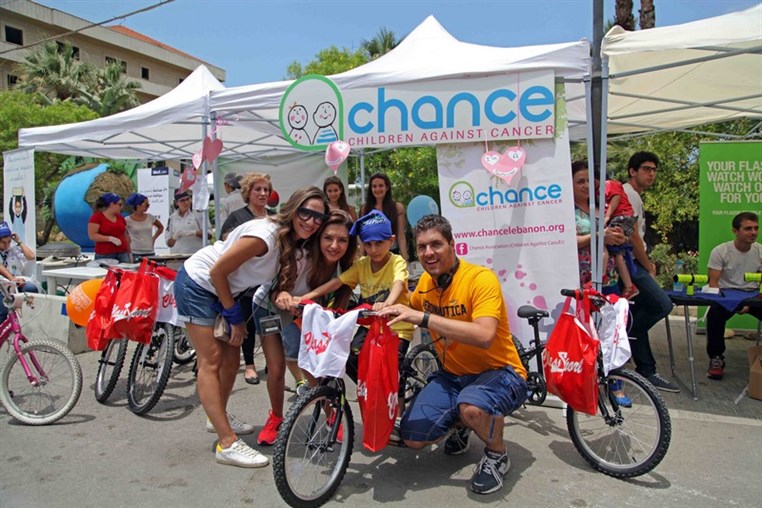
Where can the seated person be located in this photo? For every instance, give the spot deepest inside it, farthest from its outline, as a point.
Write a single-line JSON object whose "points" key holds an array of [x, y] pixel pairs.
{"points": [[382, 277], [482, 378], [619, 213], [727, 264], [13, 257]]}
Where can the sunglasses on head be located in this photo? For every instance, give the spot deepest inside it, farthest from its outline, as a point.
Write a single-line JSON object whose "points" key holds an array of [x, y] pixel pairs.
{"points": [[307, 213]]}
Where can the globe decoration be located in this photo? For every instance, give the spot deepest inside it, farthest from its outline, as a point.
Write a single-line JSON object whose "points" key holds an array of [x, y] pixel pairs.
{"points": [[75, 195]]}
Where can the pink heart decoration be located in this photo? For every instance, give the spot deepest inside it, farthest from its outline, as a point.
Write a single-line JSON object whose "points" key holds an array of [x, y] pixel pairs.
{"points": [[515, 157], [498, 165], [187, 179], [336, 153], [212, 149], [198, 158]]}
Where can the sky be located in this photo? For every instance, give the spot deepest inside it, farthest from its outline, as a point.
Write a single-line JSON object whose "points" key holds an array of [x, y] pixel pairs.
{"points": [[254, 41]]}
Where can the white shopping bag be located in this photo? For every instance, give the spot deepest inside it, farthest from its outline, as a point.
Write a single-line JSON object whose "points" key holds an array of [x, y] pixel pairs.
{"points": [[167, 305], [615, 346], [325, 341]]}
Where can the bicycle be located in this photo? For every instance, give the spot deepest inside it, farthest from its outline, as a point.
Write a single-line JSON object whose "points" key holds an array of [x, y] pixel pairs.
{"points": [[310, 458], [109, 367], [183, 353], [42, 381], [620, 440]]}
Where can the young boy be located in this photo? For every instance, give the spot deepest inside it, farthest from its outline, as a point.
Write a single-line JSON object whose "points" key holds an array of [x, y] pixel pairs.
{"points": [[382, 277], [619, 212]]}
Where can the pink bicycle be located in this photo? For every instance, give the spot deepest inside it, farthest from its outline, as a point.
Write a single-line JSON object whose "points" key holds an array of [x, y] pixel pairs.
{"points": [[41, 382]]}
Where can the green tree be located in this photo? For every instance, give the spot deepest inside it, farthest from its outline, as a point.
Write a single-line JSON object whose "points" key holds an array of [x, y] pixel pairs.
{"points": [[19, 110], [380, 44], [54, 73], [110, 92], [328, 61]]}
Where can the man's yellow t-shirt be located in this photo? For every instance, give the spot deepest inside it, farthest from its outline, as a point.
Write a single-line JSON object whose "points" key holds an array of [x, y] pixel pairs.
{"points": [[474, 292]]}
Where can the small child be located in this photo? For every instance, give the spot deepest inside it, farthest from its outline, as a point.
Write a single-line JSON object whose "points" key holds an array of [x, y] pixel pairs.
{"points": [[382, 277], [619, 213]]}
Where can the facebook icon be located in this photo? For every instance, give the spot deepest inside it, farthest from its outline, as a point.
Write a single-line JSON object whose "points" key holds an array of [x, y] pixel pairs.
{"points": [[461, 249]]}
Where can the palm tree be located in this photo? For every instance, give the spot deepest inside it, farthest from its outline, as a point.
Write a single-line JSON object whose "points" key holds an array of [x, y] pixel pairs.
{"points": [[54, 73], [623, 14], [112, 91], [383, 42], [647, 14]]}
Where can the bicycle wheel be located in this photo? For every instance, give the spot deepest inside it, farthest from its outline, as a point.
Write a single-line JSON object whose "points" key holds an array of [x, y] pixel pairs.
{"points": [[183, 352], [55, 390], [308, 462], [109, 368], [623, 441], [419, 364], [149, 370]]}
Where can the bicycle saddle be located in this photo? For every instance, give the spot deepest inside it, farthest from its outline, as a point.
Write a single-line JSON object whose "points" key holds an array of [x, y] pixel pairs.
{"points": [[527, 311]]}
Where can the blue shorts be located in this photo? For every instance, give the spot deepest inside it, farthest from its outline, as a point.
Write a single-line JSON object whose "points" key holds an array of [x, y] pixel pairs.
{"points": [[435, 410], [194, 303], [291, 335]]}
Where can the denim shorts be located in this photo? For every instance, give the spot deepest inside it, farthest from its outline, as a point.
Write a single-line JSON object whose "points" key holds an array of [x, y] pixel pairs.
{"points": [[194, 303], [292, 340], [435, 410]]}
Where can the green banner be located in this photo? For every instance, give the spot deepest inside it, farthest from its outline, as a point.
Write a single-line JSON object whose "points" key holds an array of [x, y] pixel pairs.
{"points": [[730, 182]]}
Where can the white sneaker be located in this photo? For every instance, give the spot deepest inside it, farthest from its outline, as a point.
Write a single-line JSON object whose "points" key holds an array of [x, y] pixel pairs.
{"points": [[241, 455], [239, 426]]}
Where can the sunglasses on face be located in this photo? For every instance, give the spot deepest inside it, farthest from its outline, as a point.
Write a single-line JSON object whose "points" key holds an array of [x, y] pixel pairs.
{"points": [[306, 214]]}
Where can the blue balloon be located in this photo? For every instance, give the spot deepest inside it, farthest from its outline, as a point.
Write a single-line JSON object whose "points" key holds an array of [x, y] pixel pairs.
{"points": [[419, 207]]}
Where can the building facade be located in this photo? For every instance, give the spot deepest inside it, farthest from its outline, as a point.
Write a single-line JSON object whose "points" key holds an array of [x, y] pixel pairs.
{"points": [[156, 66]]}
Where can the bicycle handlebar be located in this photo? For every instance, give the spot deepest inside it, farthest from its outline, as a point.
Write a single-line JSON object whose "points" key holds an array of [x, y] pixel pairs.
{"points": [[363, 313]]}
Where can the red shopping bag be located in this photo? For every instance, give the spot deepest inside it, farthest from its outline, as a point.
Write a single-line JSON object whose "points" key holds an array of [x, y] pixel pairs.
{"points": [[100, 327], [136, 305], [569, 359], [378, 385]]}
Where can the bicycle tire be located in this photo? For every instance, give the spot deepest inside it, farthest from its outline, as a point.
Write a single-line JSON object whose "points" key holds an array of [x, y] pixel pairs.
{"points": [[419, 364], [183, 352], [307, 465], [109, 370], [53, 397], [149, 370], [632, 440]]}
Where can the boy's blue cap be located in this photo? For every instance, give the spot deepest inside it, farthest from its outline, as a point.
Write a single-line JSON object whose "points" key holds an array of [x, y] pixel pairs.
{"points": [[373, 227], [5, 230]]}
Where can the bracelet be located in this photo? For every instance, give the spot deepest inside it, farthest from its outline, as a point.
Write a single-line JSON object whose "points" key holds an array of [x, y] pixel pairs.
{"points": [[425, 320]]}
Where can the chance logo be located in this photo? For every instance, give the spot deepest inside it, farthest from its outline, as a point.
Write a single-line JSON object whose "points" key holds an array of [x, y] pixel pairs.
{"points": [[312, 113], [462, 194]]}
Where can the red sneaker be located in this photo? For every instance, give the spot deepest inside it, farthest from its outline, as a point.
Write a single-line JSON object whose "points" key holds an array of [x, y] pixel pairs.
{"points": [[716, 368], [269, 433]]}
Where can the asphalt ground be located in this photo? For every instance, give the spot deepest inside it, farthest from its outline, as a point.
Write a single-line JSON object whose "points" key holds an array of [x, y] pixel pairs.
{"points": [[103, 455]]}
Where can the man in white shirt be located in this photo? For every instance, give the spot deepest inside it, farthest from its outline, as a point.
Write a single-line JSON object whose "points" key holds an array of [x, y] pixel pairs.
{"points": [[652, 304], [233, 201], [727, 265]]}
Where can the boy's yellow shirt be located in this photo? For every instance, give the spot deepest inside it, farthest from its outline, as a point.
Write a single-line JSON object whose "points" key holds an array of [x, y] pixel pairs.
{"points": [[375, 286]]}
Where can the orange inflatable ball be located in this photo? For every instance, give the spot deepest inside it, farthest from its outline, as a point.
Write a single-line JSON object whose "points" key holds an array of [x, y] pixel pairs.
{"points": [[80, 302]]}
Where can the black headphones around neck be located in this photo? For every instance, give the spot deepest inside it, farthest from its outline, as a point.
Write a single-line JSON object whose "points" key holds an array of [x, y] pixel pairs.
{"points": [[444, 280]]}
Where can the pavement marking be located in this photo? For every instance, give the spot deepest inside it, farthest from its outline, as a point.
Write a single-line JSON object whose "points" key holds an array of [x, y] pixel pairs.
{"points": [[680, 414]]}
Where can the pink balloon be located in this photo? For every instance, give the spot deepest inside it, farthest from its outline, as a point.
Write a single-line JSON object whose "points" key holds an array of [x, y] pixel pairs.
{"points": [[336, 153]]}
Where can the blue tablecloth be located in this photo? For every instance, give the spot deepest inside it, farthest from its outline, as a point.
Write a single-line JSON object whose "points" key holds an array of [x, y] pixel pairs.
{"points": [[730, 299]]}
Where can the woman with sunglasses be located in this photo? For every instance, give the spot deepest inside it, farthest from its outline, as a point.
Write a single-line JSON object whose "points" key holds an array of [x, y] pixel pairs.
{"points": [[379, 197], [142, 227], [253, 254], [108, 229], [184, 230]]}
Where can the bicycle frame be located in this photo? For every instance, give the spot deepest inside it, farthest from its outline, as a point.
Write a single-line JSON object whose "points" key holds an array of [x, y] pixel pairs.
{"points": [[12, 326]]}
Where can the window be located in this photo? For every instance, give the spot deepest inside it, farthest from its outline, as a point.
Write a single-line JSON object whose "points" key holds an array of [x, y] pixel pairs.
{"points": [[111, 60], [14, 35], [145, 73], [74, 50], [12, 80]]}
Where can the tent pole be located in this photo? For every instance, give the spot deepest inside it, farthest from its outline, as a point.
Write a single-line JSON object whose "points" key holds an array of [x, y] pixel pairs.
{"points": [[362, 178], [603, 156], [203, 170], [594, 272]]}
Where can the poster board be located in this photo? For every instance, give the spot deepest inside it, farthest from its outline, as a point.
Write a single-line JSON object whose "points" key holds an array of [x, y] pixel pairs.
{"points": [[158, 185], [19, 204]]}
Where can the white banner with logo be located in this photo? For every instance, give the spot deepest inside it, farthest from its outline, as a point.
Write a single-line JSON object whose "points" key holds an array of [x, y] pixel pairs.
{"points": [[315, 113], [19, 204], [524, 231], [157, 185]]}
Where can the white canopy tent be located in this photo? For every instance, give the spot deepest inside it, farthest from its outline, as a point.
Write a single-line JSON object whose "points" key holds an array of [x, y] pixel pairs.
{"points": [[680, 76]]}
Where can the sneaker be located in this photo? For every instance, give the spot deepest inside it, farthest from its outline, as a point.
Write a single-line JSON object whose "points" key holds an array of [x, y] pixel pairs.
{"points": [[621, 399], [301, 388], [457, 442], [489, 474], [339, 435], [662, 384], [631, 293], [241, 455], [269, 433], [716, 368], [239, 426], [395, 439]]}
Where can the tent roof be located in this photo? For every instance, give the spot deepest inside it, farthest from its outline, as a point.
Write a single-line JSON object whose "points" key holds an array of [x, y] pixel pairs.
{"points": [[679, 76], [428, 53], [167, 127]]}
